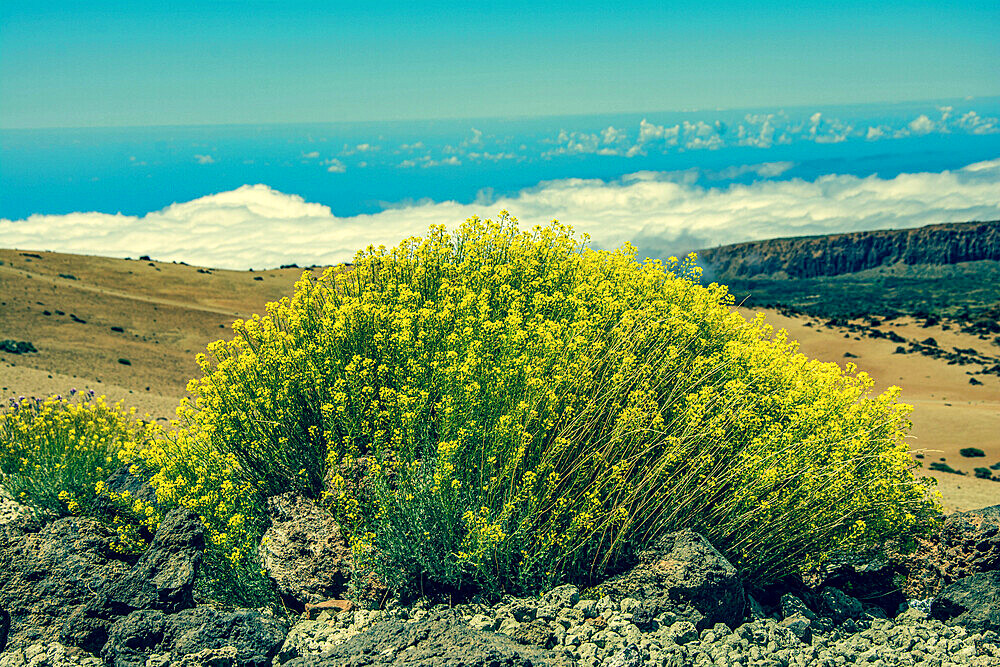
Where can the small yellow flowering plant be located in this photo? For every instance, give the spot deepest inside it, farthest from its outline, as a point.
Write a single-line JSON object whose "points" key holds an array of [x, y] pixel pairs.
{"points": [[56, 453], [501, 410]]}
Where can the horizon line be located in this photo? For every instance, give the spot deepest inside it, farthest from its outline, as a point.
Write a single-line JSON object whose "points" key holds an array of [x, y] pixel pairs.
{"points": [[455, 119]]}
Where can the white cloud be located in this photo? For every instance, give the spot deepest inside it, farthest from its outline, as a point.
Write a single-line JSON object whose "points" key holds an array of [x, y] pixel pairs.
{"points": [[921, 125], [311, 155], [877, 132], [662, 213], [452, 161], [335, 166], [572, 143], [493, 157], [204, 159], [752, 136], [651, 131], [976, 124], [612, 135], [427, 161], [359, 148]]}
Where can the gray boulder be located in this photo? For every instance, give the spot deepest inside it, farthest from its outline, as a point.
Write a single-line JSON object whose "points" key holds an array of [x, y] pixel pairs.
{"points": [[684, 574], [972, 601], [162, 579], [304, 552], [561, 597], [203, 635], [441, 639], [839, 606], [46, 575]]}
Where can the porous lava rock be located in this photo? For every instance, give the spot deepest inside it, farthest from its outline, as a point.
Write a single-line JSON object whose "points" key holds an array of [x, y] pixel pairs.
{"points": [[162, 579], [46, 576], [442, 638], [240, 638], [968, 543], [972, 601], [304, 552], [686, 575], [15, 518]]}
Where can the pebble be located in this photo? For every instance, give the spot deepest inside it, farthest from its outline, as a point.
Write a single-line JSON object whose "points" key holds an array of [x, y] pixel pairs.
{"points": [[600, 633]]}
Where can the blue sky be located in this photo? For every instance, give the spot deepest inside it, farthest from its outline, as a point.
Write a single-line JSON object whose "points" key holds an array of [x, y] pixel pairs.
{"points": [[82, 64]]}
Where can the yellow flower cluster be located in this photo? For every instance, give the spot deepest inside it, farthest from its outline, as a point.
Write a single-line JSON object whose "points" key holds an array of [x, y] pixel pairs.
{"points": [[56, 453]]}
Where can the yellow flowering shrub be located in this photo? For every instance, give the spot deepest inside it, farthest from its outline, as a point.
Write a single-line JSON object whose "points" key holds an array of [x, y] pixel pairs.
{"points": [[504, 410], [56, 453]]}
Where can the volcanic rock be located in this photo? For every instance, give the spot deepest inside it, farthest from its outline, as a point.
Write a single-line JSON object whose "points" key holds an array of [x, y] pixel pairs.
{"points": [[840, 606], [162, 579], [15, 518], [686, 575], [304, 551], [244, 638], [969, 543], [47, 575], [972, 601], [442, 638], [872, 580]]}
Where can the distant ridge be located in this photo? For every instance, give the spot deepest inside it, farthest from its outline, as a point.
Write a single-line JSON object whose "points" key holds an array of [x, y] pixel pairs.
{"points": [[836, 254]]}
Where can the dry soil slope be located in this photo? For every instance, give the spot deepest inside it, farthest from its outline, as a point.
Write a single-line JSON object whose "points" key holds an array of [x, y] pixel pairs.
{"points": [[87, 316]]}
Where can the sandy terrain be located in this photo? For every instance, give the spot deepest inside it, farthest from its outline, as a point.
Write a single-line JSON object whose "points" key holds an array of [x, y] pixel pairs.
{"points": [[87, 316]]}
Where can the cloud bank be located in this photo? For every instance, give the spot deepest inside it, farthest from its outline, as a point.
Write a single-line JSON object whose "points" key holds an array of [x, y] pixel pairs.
{"points": [[662, 213]]}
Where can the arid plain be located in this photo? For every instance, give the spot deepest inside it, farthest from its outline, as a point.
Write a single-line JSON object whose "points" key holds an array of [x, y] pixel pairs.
{"points": [[130, 330]]}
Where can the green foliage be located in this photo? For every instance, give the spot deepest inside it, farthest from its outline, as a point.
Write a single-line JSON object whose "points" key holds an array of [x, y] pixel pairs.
{"points": [[984, 473], [55, 453], [971, 452], [501, 410]]}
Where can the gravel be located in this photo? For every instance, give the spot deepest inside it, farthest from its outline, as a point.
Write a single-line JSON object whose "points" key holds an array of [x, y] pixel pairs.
{"points": [[605, 632]]}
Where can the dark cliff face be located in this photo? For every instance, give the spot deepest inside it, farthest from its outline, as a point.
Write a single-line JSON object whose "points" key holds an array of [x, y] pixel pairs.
{"points": [[835, 254]]}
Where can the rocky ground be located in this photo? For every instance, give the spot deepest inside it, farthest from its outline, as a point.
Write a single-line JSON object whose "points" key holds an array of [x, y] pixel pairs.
{"points": [[68, 598]]}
